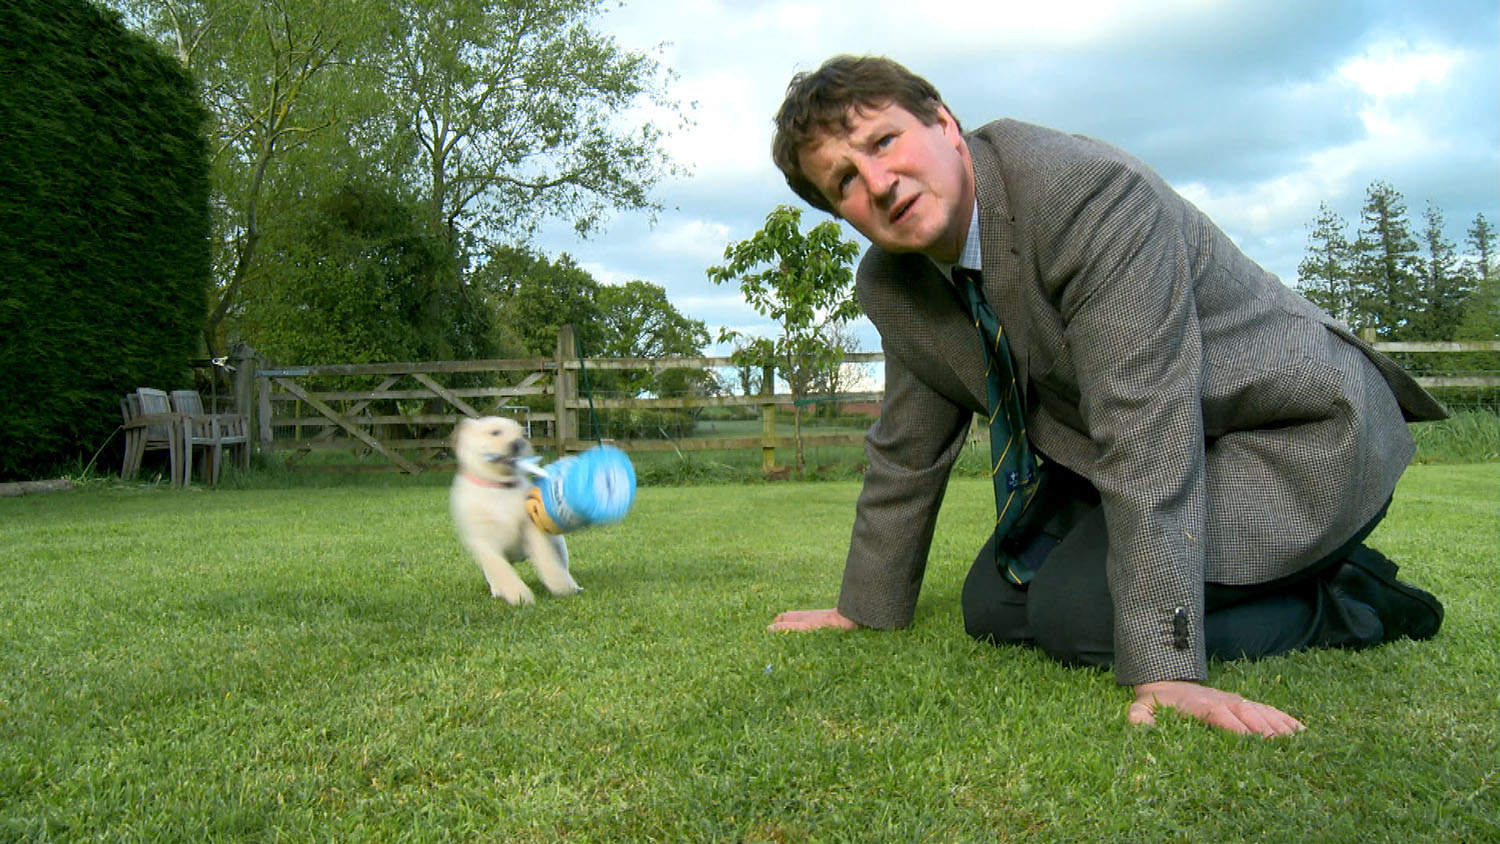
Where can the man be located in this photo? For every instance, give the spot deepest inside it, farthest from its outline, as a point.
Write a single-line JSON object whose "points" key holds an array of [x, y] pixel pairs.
{"points": [[1212, 449]]}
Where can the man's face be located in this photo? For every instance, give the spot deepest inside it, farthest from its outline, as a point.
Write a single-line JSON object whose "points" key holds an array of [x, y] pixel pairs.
{"points": [[906, 186]]}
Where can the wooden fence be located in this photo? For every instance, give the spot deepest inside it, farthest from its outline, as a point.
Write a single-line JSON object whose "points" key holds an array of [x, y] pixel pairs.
{"points": [[404, 412]]}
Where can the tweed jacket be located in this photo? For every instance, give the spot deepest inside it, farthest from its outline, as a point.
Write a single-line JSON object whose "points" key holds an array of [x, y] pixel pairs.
{"points": [[1235, 432]]}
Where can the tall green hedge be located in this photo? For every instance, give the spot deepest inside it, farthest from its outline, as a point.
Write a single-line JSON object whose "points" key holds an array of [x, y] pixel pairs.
{"points": [[104, 251]]}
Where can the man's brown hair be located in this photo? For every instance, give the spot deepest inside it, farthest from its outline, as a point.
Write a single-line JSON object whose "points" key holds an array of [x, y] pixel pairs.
{"points": [[820, 101]]}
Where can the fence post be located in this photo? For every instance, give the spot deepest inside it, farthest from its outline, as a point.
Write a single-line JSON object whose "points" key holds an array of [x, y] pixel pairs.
{"points": [[263, 410], [565, 388], [242, 358], [768, 419]]}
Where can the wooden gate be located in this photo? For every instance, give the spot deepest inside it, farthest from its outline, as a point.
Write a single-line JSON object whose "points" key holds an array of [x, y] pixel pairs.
{"points": [[403, 412]]}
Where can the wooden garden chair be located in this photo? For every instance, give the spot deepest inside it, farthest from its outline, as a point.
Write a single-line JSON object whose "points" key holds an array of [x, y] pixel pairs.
{"points": [[150, 425], [211, 432]]}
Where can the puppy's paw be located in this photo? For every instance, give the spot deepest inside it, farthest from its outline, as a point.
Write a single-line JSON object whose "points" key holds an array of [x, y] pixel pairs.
{"points": [[518, 594], [563, 591]]}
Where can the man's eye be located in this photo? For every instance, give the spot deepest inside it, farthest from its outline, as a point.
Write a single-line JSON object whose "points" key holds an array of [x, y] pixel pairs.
{"points": [[885, 140], [844, 182]]}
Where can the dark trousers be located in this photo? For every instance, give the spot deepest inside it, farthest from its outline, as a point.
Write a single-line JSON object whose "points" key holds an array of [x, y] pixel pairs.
{"points": [[1067, 611]]}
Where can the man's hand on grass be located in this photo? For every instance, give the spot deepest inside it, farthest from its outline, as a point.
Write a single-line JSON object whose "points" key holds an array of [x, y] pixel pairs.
{"points": [[811, 620], [1225, 710]]}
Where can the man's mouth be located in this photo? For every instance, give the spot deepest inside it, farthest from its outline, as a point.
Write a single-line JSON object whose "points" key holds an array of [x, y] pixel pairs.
{"points": [[899, 212]]}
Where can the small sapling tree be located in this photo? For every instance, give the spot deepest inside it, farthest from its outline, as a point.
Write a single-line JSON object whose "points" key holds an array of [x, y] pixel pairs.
{"points": [[803, 281]]}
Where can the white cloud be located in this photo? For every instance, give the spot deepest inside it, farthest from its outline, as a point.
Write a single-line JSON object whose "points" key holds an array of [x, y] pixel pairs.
{"points": [[728, 302], [1389, 69], [1258, 208], [603, 274], [699, 240], [1388, 74]]}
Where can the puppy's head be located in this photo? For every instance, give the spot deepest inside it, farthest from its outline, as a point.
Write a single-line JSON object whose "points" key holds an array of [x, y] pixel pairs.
{"points": [[489, 447]]}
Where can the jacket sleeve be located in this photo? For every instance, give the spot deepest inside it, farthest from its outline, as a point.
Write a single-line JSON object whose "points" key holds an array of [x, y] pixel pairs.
{"points": [[911, 448], [1113, 243]]}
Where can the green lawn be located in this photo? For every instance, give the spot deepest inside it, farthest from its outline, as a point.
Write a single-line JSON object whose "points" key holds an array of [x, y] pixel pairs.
{"points": [[326, 665]]}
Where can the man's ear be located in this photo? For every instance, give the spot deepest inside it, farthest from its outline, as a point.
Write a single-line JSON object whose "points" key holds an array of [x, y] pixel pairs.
{"points": [[950, 123]]}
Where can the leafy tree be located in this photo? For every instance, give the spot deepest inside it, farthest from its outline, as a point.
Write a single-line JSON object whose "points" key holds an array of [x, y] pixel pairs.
{"points": [[1406, 289], [360, 278], [748, 375], [1387, 264], [1481, 316], [1326, 275], [533, 297], [104, 265], [266, 68], [497, 114], [1443, 287], [802, 281], [518, 110], [1480, 264], [639, 322], [1481, 320], [834, 380]]}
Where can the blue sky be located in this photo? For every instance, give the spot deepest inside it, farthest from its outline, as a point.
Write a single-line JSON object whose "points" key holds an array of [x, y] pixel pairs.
{"points": [[1257, 112]]}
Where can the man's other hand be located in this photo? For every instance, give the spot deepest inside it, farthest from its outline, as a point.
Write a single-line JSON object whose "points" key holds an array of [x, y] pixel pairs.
{"points": [[1225, 710], [811, 620]]}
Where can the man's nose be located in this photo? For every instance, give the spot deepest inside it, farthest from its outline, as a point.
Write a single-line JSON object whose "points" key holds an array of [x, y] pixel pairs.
{"points": [[879, 179]]}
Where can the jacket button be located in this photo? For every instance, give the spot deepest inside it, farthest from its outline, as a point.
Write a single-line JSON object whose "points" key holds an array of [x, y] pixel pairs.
{"points": [[1180, 628]]}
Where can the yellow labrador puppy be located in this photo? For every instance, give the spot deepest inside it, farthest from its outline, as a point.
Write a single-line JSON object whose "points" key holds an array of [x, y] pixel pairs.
{"points": [[488, 501]]}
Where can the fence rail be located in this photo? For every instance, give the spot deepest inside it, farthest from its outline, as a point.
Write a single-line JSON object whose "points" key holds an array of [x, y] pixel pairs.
{"points": [[406, 415]]}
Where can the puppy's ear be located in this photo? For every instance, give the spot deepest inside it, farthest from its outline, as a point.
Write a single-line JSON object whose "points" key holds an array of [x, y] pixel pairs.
{"points": [[459, 429]]}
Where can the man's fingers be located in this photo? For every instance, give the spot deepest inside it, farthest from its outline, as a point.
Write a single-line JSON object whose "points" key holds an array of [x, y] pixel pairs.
{"points": [[1141, 713], [1224, 710], [1238, 718], [1264, 720], [1279, 723], [799, 620], [1222, 717], [793, 620]]}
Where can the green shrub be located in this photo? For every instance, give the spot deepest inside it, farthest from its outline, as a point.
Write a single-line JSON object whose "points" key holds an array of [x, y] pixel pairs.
{"points": [[1471, 436], [104, 254]]}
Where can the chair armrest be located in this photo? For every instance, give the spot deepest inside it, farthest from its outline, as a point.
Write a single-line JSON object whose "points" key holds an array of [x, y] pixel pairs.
{"points": [[146, 419]]}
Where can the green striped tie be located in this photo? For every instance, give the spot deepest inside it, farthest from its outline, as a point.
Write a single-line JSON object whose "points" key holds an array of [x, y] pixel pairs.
{"points": [[1012, 465]]}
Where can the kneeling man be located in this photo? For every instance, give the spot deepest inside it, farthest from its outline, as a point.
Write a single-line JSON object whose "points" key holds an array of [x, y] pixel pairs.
{"points": [[1187, 454]]}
